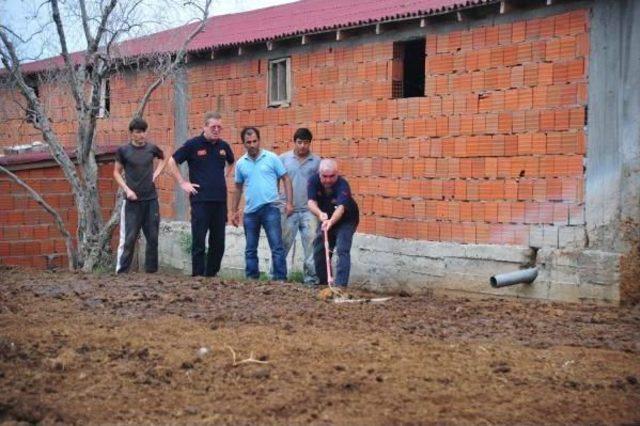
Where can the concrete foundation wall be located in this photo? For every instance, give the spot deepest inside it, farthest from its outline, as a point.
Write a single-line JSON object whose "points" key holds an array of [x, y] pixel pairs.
{"points": [[391, 265]]}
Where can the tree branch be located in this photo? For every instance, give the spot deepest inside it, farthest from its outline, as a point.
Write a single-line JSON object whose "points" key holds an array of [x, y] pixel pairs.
{"points": [[76, 90], [93, 47], [114, 220], [180, 55], [12, 64], [68, 240], [85, 22]]}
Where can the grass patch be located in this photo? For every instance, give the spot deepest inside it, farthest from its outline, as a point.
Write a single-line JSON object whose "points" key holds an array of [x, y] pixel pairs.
{"points": [[296, 277], [186, 241]]}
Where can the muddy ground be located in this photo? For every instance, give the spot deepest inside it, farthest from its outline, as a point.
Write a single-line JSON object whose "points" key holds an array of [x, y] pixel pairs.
{"points": [[159, 349]]}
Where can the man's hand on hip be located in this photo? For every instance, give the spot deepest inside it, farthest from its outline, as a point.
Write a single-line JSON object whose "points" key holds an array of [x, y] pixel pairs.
{"points": [[189, 188]]}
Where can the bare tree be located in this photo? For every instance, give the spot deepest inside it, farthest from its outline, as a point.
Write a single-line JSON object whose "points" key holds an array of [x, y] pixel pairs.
{"points": [[102, 25]]}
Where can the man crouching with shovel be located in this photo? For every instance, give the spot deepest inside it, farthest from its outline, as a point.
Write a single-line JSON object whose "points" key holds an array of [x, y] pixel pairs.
{"points": [[331, 201]]}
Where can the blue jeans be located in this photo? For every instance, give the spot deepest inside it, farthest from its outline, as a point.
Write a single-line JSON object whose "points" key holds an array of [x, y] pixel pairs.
{"points": [[307, 223], [340, 239], [267, 216]]}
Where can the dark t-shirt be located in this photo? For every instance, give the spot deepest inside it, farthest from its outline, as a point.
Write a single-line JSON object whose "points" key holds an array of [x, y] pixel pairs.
{"points": [[206, 160], [138, 168], [339, 195]]}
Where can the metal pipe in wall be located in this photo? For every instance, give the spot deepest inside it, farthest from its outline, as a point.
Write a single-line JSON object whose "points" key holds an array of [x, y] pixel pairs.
{"points": [[523, 276]]}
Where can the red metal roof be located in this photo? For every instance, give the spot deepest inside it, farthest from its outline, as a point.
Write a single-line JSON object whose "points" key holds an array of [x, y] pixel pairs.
{"points": [[38, 157], [304, 16]]}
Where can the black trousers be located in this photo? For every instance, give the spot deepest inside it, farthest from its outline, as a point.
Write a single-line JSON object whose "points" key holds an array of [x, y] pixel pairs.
{"points": [[211, 217], [138, 215]]}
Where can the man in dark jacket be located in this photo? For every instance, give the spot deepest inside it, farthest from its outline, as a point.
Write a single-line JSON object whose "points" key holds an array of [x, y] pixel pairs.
{"points": [[331, 201], [207, 156]]}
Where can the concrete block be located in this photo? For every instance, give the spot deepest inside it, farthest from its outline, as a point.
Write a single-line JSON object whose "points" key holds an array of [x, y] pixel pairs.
{"points": [[598, 293], [564, 292], [536, 236], [550, 236], [512, 254], [572, 237], [576, 215], [563, 276], [598, 267], [479, 267]]}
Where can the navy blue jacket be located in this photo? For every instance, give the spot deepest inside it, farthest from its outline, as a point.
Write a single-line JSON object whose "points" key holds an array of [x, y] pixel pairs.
{"points": [[206, 160]]}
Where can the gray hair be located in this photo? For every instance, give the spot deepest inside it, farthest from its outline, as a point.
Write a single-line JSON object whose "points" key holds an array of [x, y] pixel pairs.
{"points": [[328, 165], [211, 115]]}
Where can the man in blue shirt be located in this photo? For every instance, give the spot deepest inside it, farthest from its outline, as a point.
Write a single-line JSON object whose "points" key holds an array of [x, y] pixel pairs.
{"points": [[258, 171], [207, 155], [301, 164], [331, 201]]}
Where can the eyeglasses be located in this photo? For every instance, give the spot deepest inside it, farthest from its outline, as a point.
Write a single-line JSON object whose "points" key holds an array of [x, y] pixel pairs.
{"points": [[328, 176]]}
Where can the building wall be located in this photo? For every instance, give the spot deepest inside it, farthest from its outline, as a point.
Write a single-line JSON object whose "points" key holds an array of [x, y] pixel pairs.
{"points": [[28, 235], [493, 153]]}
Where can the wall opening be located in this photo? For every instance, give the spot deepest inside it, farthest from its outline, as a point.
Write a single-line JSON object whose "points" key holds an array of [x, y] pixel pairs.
{"points": [[105, 99], [408, 68], [280, 82], [30, 113]]}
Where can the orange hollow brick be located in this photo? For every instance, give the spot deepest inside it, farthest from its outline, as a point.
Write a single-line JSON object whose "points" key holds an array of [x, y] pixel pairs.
{"points": [[532, 121], [471, 59], [477, 211], [477, 81], [577, 118], [465, 168], [519, 121], [505, 124], [489, 211], [469, 231], [504, 212], [460, 212], [491, 36], [484, 59], [517, 212], [472, 102], [517, 76], [560, 214]]}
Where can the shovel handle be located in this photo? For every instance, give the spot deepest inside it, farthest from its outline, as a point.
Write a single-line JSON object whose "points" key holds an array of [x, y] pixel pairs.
{"points": [[328, 258]]}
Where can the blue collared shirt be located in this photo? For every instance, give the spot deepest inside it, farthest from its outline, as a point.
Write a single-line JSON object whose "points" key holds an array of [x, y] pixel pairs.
{"points": [[260, 179]]}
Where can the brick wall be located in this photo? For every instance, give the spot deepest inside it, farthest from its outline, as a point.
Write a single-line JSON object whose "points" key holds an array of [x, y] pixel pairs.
{"points": [[493, 153], [28, 235]]}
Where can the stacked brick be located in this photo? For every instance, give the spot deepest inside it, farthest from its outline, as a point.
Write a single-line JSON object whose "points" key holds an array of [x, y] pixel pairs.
{"points": [[495, 146], [498, 142], [28, 236], [493, 153]]}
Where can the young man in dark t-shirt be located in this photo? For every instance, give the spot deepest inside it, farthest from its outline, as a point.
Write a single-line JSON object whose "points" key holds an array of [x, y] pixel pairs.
{"points": [[207, 156], [140, 209], [331, 201]]}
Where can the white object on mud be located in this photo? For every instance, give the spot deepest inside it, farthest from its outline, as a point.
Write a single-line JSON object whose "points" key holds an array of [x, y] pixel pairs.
{"points": [[203, 351], [374, 300]]}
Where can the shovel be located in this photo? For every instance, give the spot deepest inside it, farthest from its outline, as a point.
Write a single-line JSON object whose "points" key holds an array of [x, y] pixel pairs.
{"points": [[328, 259], [340, 297]]}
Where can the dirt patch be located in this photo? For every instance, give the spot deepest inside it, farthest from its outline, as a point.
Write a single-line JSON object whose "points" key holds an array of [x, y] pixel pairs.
{"points": [[160, 349], [630, 265]]}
